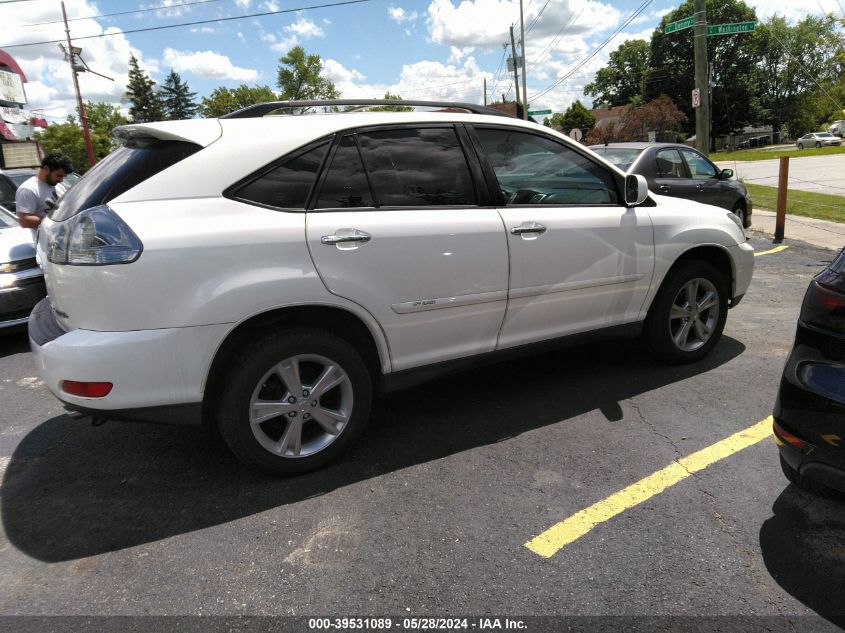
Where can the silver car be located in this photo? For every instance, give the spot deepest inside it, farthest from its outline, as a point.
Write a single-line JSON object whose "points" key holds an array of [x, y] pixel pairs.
{"points": [[21, 279], [818, 139]]}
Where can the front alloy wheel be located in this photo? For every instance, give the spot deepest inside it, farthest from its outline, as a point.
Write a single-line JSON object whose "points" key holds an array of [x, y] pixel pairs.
{"points": [[688, 314]]}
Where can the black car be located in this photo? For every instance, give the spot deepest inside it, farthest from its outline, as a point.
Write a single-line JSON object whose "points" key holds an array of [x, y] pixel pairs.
{"points": [[673, 169], [809, 414], [10, 180]]}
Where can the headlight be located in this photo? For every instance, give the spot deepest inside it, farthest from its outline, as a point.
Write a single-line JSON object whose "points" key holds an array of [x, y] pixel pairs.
{"points": [[94, 237]]}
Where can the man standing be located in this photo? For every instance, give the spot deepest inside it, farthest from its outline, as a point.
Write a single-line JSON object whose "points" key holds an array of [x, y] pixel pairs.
{"points": [[36, 196]]}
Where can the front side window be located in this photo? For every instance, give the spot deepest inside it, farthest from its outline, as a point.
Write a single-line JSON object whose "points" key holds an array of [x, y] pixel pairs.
{"points": [[417, 167], [670, 164], [533, 169], [287, 185], [699, 167]]}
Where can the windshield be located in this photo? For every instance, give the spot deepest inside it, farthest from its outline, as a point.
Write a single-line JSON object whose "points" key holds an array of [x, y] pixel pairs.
{"points": [[19, 179], [622, 157]]}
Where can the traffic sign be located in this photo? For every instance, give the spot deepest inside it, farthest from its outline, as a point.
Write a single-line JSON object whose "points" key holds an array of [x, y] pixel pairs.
{"points": [[533, 112], [728, 29], [696, 98], [680, 25], [576, 134]]}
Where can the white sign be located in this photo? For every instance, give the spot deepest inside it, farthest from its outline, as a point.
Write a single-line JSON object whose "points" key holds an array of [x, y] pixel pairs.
{"points": [[652, 137], [11, 88], [576, 134], [696, 98]]}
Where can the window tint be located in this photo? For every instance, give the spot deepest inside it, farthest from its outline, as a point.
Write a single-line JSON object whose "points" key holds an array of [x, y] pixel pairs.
{"points": [[120, 171], [670, 164], [699, 167], [346, 182], [7, 191], [533, 169], [417, 167], [287, 185]]}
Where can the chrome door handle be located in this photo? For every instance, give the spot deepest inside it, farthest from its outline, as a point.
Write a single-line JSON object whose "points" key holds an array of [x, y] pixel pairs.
{"points": [[528, 228], [352, 236], [664, 187]]}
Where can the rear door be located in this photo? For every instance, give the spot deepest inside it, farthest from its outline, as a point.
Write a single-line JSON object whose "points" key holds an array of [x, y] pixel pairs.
{"points": [[580, 260], [397, 225], [672, 177]]}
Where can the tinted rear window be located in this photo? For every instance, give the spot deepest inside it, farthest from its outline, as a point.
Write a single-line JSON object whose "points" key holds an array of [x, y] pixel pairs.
{"points": [[120, 171]]}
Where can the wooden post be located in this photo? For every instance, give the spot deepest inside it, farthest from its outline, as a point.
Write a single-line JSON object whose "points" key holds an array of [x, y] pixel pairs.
{"points": [[783, 180]]}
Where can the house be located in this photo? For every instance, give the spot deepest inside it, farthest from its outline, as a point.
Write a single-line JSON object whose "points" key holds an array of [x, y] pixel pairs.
{"points": [[17, 147]]}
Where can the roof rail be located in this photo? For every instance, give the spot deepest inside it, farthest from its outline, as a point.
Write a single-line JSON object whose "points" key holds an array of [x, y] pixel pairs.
{"points": [[261, 109]]}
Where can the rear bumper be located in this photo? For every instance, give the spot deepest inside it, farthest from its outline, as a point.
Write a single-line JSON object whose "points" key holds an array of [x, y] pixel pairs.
{"points": [[156, 375], [18, 297]]}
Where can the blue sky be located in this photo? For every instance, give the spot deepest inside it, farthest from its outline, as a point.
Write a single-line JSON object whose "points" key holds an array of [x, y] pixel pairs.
{"points": [[419, 49]]}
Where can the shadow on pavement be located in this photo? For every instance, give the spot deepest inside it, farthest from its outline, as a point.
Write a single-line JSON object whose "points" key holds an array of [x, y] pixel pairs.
{"points": [[13, 341], [72, 490], [802, 548]]}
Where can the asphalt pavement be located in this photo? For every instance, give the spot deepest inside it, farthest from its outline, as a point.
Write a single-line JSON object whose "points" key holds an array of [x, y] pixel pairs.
{"points": [[819, 174]]}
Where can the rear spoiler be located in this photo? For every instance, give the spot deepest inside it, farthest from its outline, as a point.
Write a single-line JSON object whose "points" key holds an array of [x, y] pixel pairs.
{"points": [[201, 132]]}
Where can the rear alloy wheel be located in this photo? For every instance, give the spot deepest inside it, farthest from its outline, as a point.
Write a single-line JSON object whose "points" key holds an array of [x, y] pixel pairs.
{"points": [[688, 315], [295, 401]]}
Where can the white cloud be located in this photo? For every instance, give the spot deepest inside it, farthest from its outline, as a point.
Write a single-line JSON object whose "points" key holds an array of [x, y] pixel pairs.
{"points": [[337, 73], [399, 15], [301, 30], [208, 65], [457, 54]]}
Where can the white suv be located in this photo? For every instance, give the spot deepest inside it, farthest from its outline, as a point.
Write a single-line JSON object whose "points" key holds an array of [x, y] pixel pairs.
{"points": [[268, 273]]}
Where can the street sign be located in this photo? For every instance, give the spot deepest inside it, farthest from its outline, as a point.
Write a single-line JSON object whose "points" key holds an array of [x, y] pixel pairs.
{"points": [[696, 98], [680, 25], [728, 29], [576, 134], [533, 112]]}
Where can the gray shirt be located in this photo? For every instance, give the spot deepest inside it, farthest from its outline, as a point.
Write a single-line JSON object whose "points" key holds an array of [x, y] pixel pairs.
{"points": [[34, 197]]}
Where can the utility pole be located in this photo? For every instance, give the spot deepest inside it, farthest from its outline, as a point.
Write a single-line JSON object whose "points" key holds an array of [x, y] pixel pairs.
{"points": [[524, 81], [71, 56], [485, 91], [515, 73], [702, 79]]}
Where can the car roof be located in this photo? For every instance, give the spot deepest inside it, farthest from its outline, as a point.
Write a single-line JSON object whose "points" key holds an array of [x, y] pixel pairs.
{"points": [[19, 171]]}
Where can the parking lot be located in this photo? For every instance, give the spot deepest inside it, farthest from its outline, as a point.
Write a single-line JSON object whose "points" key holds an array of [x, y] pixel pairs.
{"points": [[433, 513]]}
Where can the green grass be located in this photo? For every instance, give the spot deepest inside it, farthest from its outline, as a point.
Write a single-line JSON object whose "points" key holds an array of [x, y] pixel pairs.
{"points": [[811, 205], [768, 154]]}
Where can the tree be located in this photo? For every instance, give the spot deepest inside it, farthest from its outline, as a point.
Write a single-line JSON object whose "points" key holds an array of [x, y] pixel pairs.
{"points": [[144, 102], [299, 77], [672, 67], [578, 116], [388, 96], [555, 121], [225, 100], [177, 101], [797, 74], [660, 115], [621, 81], [67, 137]]}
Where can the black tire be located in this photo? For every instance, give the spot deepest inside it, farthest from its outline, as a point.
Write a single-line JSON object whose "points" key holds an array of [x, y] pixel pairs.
{"points": [[818, 144], [806, 484], [677, 331], [739, 211], [800, 146], [302, 355]]}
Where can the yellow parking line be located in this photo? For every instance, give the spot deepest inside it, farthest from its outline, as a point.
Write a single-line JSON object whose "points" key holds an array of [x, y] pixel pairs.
{"points": [[776, 249], [558, 536]]}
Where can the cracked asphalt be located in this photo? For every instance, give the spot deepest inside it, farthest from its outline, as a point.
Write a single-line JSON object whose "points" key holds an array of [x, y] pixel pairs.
{"points": [[429, 513]]}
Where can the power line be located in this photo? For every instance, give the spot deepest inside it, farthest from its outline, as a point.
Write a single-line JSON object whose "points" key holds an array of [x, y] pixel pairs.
{"points": [[108, 15], [174, 26], [560, 34], [580, 64]]}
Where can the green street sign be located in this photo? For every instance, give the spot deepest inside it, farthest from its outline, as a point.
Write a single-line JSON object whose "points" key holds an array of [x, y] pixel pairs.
{"points": [[728, 29], [680, 25], [533, 112]]}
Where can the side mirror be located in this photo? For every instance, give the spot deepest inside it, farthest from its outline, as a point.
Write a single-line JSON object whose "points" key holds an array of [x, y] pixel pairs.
{"points": [[636, 190], [726, 173]]}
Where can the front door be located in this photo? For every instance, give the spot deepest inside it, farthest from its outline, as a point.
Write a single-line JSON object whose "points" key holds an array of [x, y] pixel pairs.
{"points": [[580, 259]]}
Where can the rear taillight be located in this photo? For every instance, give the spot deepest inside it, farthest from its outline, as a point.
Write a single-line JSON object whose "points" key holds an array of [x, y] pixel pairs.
{"points": [[824, 303], [94, 237], [86, 389], [782, 435]]}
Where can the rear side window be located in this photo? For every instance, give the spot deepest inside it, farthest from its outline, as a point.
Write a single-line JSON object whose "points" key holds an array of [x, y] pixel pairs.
{"points": [[346, 183], [120, 171], [288, 184], [417, 167]]}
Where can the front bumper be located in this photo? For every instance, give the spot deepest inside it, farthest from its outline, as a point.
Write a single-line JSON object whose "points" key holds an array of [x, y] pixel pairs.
{"points": [[154, 373]]}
